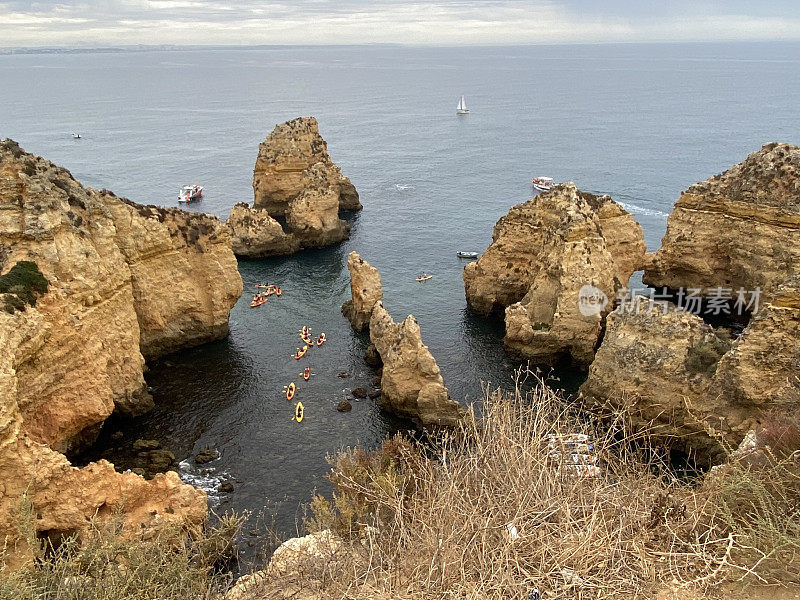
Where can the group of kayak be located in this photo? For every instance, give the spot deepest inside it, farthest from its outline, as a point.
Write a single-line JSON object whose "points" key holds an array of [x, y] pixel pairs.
{"points": [[267, 290], [291, 389]]}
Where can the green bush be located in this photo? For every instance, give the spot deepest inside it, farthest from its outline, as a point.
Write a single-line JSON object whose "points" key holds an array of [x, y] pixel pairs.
{"points": [[704, 356], [22, 284]]}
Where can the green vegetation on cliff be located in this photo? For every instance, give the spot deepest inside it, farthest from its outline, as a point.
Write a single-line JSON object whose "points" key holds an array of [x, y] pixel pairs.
{"points": [[22, 284]]}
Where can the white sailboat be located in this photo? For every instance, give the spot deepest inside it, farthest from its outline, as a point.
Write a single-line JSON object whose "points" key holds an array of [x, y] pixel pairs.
{"points": [[462, 109]]}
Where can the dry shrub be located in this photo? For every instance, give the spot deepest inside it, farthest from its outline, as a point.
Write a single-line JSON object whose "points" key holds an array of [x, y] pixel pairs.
{"points": [[439, 525], [98, 564]]}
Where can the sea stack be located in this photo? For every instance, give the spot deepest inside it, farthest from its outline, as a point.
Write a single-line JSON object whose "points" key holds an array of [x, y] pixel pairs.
{"points": [[411, 383], [365, 290], [296, 181], [739, 229], [90, 286], [555, 265]]}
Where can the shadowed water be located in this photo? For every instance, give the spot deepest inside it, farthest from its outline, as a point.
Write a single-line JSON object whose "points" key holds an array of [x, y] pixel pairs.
{"points": [[641, 122]]}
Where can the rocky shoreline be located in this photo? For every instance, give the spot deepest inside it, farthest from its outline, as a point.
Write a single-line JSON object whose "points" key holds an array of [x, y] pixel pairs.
{"points": [[103, 284]]}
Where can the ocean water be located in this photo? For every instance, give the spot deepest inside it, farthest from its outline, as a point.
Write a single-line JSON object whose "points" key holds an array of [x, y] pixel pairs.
{"points": [[640, 122]]}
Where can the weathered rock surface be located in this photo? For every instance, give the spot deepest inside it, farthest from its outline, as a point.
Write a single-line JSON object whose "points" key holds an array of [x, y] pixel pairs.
{"points": [[761, 373], [644, 363], [411, 383], [544, 251], [125, 282], [254, 234], [694, 384], [740, 229], [295, 179], [63, 498], [365, 289]]}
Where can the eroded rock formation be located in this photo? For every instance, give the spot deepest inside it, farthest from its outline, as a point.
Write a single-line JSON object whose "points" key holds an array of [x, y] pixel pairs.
{"points": [[544, 253], [254, 234], [125, 282], [411, 383], [365, 290], [694, 383], [740, 229], [296, 180]]}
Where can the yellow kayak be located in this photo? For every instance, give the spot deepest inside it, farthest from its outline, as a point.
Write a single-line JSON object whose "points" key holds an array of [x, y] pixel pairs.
{"points": [[299, 409]]}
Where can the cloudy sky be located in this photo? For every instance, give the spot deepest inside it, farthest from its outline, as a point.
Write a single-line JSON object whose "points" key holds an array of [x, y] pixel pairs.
{"points": [[449, 22]]}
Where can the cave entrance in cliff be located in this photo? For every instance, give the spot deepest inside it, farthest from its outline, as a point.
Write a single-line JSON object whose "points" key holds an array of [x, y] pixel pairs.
{"points": [[51, 540], [282, 220]]}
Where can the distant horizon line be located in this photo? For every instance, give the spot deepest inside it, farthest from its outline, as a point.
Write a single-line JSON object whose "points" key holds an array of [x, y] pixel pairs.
{"points": [[88, 48]]}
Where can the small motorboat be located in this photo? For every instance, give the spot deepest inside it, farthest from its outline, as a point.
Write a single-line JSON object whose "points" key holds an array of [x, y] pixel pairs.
{"points": [[299, 411], [290, 390], [543, 184], [306, 373], [190, 193], [321, 339], [424, 277], [467, 254], [76, 136]]}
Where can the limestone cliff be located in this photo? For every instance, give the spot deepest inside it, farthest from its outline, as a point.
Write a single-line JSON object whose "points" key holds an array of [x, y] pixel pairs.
{"points": [[125, 282], [740, 229], [365, 291], [544, 253], [62, 499], [254, 234], [411, 383], [695, 384], [295, 179]]}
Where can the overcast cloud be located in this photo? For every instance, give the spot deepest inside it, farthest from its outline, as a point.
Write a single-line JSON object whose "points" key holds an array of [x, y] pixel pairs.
{"points": [[448, 22]]}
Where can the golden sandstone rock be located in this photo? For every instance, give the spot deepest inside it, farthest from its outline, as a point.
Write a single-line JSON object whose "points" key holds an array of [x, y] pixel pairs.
{"points": [[296, 180], [365, 290], [411, 383], [544, 253], [740, 229], [125, 282]]}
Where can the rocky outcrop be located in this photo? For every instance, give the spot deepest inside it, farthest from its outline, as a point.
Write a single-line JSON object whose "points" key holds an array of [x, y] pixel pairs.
{"points": [[411, 383], [661, 366], [37, 481], [550, 258], [296, 180], [125, 282], [740, 229], [254, 234], [692, 382], [365, 290], [761, 373]]}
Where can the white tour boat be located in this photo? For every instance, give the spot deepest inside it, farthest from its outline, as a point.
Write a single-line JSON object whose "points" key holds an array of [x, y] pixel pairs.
{"points": [[190, 192], [543, 184], [462, 109], [463, 254]]}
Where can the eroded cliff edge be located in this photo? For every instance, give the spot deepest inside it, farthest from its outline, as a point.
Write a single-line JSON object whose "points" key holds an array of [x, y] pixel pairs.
{"points": [[735, 230], [294, 180], [544, 253], [125, 282]]}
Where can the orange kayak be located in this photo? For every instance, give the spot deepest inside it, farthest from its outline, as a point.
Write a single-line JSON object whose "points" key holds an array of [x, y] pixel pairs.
{"points": [[300, 353], [278, 291], [290, 390], [306, 373], [321, 339], [258, 301], [308, 341]]}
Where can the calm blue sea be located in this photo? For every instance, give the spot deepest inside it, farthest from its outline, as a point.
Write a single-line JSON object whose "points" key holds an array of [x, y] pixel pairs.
{"points": [[640, 122]]}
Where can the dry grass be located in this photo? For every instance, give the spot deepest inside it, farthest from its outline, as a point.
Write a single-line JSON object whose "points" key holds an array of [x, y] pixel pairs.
{"points": [[434, 524], [101, 565]]}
